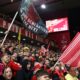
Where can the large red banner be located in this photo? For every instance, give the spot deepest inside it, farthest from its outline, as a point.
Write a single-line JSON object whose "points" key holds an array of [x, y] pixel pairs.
{"points": [[62, 39]]}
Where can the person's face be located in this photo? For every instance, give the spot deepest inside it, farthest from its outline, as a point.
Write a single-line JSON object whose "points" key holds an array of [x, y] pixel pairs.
{"points": [[33, 55], [26, 53], [5, 46], [7, 73], [47, 62], [20, 53], [73, 71], [28, 66], [33, 49], [14, 56], [37, 55], [44, 77], [57, 68], [6, 59], [11, 49], [3, 49]]}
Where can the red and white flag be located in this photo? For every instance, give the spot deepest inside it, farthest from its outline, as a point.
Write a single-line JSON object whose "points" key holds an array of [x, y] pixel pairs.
{"points": [[71, 55]]}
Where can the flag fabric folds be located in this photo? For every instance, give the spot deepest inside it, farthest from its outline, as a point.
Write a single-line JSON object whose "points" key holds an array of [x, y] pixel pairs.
{"points": [[31, 19], [71, 55]]}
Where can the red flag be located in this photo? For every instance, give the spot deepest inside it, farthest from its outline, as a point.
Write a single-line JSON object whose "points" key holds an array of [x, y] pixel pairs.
{"points": [[71, 55]]}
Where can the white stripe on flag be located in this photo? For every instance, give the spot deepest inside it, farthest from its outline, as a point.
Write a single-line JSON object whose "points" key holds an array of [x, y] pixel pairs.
{"points": [[72, 45], [74, 58]]}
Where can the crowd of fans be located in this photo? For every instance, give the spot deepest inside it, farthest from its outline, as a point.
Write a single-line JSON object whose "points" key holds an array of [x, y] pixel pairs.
{"points": [[25, 62]]}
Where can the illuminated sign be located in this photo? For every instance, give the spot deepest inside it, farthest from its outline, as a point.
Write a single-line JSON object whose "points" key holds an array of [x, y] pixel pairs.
{"points": [[57, 25]]}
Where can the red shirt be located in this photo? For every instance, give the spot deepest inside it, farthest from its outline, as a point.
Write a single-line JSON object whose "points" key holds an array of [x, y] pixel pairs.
{"points": [[47, 69], [34, 77], [14, 66]]}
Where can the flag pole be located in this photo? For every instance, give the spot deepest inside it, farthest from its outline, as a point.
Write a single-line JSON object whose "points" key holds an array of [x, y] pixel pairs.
{"points": [[7, 32], [19, 37], [52, 68], [48, 45]]}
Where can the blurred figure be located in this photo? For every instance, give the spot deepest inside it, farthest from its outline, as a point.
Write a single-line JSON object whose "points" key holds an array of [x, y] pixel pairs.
{"points": [[37, 67], [56, 73], [71, 75], [9, 50], [26, 72], [14, 56], [7, 61], [43, 75]]}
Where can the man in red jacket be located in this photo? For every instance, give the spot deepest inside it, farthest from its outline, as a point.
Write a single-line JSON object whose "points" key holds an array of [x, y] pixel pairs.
{"points": [[7, 61]]}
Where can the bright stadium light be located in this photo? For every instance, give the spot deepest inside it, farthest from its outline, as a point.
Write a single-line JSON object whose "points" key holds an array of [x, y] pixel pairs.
{"points": [[43, 6], [11, 0]]}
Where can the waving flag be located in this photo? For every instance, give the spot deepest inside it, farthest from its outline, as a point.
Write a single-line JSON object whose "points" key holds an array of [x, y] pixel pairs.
{"points": [[31, 19], [71, 55]]}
